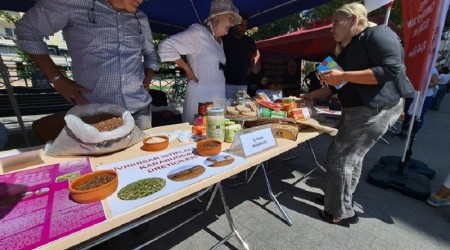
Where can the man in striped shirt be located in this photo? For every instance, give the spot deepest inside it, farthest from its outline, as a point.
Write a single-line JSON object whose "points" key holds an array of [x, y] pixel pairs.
{"points": [[110, 43]]}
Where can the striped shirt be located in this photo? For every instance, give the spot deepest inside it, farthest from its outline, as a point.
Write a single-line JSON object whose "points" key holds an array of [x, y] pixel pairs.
{"points": [[109, 49]]}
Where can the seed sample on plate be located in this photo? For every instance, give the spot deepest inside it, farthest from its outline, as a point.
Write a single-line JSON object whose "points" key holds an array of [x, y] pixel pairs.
{"points": [[219, 160], [186, 173], [141, 188]]}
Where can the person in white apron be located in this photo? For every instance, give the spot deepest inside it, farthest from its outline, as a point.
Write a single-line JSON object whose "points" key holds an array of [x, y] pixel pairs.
{"points": [[203, 48]]}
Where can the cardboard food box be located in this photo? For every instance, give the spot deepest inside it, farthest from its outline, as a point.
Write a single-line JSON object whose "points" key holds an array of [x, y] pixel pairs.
{"points": [[285, 131]]}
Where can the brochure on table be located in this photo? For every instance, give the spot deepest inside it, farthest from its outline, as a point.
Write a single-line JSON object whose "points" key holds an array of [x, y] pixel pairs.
{"points": [[35, 205], [327, 111], [156, 168], [329, 64]]}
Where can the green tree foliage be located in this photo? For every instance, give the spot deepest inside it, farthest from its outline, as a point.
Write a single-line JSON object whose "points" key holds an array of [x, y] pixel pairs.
{"points": [[325, 11], [8, 17], [29, 64], [280, 27], [292, 23]]}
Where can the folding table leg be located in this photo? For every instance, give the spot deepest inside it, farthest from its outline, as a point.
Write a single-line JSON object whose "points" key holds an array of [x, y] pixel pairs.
{"points": [[384, 140], [311, 150], [272, 196], [295, 156], [245, 181], [318, 165], [234, 232], [214, 192]]}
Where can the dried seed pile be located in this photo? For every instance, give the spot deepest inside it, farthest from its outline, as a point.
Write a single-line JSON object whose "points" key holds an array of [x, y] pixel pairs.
{"points": [[210, 144], [95, 182], [141, 188], [103, 122]]}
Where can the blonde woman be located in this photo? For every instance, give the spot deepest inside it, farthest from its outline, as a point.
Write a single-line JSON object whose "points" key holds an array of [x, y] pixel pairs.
{"points": [[372, 62], [204, 50]]}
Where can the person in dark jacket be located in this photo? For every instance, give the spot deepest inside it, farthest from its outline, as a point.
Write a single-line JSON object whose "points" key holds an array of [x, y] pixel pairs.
{"points": [[372, 67], [312, 80], [242, 56]]}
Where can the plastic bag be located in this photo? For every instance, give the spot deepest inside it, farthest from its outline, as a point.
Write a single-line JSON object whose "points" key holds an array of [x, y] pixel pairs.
{"points": [[79, 138]]}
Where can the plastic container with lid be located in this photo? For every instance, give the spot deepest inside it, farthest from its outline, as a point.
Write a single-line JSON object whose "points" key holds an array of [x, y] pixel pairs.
{"points": [[241, 97], [215, 124], [230, 131], [241, 107]]}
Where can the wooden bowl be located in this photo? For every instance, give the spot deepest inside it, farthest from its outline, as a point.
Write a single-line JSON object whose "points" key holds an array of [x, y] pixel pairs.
{"points": [[87, 195], [209, 147], [156, 143]]}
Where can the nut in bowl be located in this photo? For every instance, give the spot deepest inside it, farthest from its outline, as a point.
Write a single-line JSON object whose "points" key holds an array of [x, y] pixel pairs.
{"points": [[156, 143], [94, 186], [209, 147]]}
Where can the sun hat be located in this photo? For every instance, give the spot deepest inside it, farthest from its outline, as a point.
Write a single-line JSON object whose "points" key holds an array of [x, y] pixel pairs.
{"points": [[219, 7]]}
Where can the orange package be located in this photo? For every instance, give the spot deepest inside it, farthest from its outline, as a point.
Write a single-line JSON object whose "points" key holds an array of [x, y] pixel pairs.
{"points": [[198, 130], [300, 113]]}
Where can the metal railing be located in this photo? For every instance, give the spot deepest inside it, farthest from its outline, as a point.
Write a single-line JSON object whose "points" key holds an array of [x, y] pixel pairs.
{"points": [[172, 83]]}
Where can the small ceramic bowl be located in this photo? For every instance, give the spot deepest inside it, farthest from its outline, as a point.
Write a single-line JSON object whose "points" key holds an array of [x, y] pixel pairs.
{"points": [[156, 143], [84, 194], [209, 147]]}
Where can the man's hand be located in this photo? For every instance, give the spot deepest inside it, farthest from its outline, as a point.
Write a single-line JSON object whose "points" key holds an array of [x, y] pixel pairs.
{"points": [[149, 73], [71, 91], [191, 76], [319, 93]]}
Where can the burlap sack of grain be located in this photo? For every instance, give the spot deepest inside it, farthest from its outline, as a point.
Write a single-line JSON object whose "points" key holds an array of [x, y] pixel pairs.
{"points": [[80, 138]]}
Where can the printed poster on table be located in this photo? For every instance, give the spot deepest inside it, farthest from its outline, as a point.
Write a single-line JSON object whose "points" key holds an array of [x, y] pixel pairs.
{"points": [[150, 177], [35, 205]]}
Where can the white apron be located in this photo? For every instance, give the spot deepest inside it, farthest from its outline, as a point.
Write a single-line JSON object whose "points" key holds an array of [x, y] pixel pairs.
{"points": [[204, 54]]}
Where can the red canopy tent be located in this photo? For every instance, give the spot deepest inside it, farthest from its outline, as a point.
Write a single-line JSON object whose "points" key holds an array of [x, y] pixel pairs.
{"points": [[312, 44]]}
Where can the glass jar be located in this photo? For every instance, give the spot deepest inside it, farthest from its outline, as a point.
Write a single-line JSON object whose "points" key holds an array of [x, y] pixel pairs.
{"points": [[202, 108], [199, 119], [215, 124], [289, 104]]}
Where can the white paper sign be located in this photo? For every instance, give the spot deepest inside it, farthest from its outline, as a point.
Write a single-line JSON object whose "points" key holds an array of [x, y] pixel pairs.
{"points": [[257, 141], [163, 167]]}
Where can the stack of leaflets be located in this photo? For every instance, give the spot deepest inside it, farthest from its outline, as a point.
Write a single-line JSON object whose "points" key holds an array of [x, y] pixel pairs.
{"points": [[325, 111]]}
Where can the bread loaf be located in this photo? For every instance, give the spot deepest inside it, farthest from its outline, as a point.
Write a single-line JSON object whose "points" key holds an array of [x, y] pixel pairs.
{"points": [[285, 131]]}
